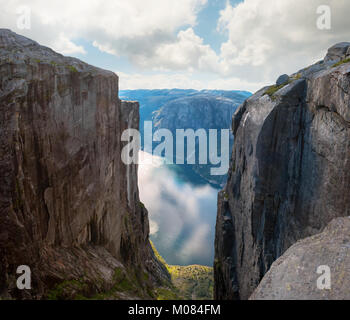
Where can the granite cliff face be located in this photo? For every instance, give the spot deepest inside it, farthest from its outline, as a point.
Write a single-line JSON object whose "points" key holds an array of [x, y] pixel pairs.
{"points": [[289, 174], [69, 207], [294, 276]]}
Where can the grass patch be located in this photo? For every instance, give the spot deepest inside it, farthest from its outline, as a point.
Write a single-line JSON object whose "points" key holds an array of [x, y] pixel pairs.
{"points": [[166, 294], [273, 89], [341, 62], [297, 76]]}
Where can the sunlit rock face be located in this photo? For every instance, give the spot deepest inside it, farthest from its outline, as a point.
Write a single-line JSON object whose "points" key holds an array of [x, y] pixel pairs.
{"points": [[69, 207], [289, 174], [315, 268]]}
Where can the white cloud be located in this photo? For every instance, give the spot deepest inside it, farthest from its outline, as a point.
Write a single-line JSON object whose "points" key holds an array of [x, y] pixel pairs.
{"points": [[135, 28], [267, 38], [65, 46], [184, 80], [197, 244], [186, 53], [264, 38], [158, 80]]}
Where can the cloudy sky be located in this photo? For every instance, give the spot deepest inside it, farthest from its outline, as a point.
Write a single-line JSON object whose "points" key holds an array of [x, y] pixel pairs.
{"points": [[200, 44]]}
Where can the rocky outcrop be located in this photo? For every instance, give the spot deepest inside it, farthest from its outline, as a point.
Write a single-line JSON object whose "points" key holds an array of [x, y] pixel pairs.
{"points": [[69, 207], [289, 174], [317, 268]]}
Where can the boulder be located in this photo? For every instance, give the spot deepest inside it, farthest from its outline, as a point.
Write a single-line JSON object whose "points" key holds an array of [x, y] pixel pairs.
{"points": [[337, 52], [316, 268], [284, 78]]}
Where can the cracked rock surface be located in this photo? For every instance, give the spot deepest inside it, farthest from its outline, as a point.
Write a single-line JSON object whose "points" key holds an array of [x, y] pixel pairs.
{"points": [[69, 207], [289, 174]]}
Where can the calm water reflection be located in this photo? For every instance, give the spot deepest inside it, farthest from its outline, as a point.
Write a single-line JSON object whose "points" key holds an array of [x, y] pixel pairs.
{"points": [[182, 215]]}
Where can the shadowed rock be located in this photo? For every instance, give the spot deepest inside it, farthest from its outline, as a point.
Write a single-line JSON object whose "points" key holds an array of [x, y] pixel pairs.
{"points": [[284, 78], [289, 174], [69, 208]]}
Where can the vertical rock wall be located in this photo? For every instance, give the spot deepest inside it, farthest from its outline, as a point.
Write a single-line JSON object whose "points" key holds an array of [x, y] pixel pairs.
{"points": [[289, 174], [69, 207]]}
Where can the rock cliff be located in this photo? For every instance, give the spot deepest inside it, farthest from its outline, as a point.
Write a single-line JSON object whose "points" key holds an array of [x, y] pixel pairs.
{"points": [[69, 207], [289, 174], [301, 273]]}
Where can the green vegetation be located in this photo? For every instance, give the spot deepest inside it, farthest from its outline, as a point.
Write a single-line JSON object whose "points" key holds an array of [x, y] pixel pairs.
{"points": [[341, 62], [187, 282], [297, 76], [193, 282], [125, 285], [142, 206], [166, 294], [225, 196], [72, 69], [158, 256], [273, 89], [190, 282], [68, 289]]}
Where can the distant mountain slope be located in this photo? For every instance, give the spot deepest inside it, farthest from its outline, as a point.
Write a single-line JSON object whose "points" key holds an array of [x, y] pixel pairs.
{"points": [[189, 109], [194, 282], [152, 100]]}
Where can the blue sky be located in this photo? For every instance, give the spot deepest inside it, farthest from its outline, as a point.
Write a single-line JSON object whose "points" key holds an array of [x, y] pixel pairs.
{"points": [[199, 44]]}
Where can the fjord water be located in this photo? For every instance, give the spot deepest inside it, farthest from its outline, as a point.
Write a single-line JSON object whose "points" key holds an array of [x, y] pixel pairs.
{"points": [[182, 214]]}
